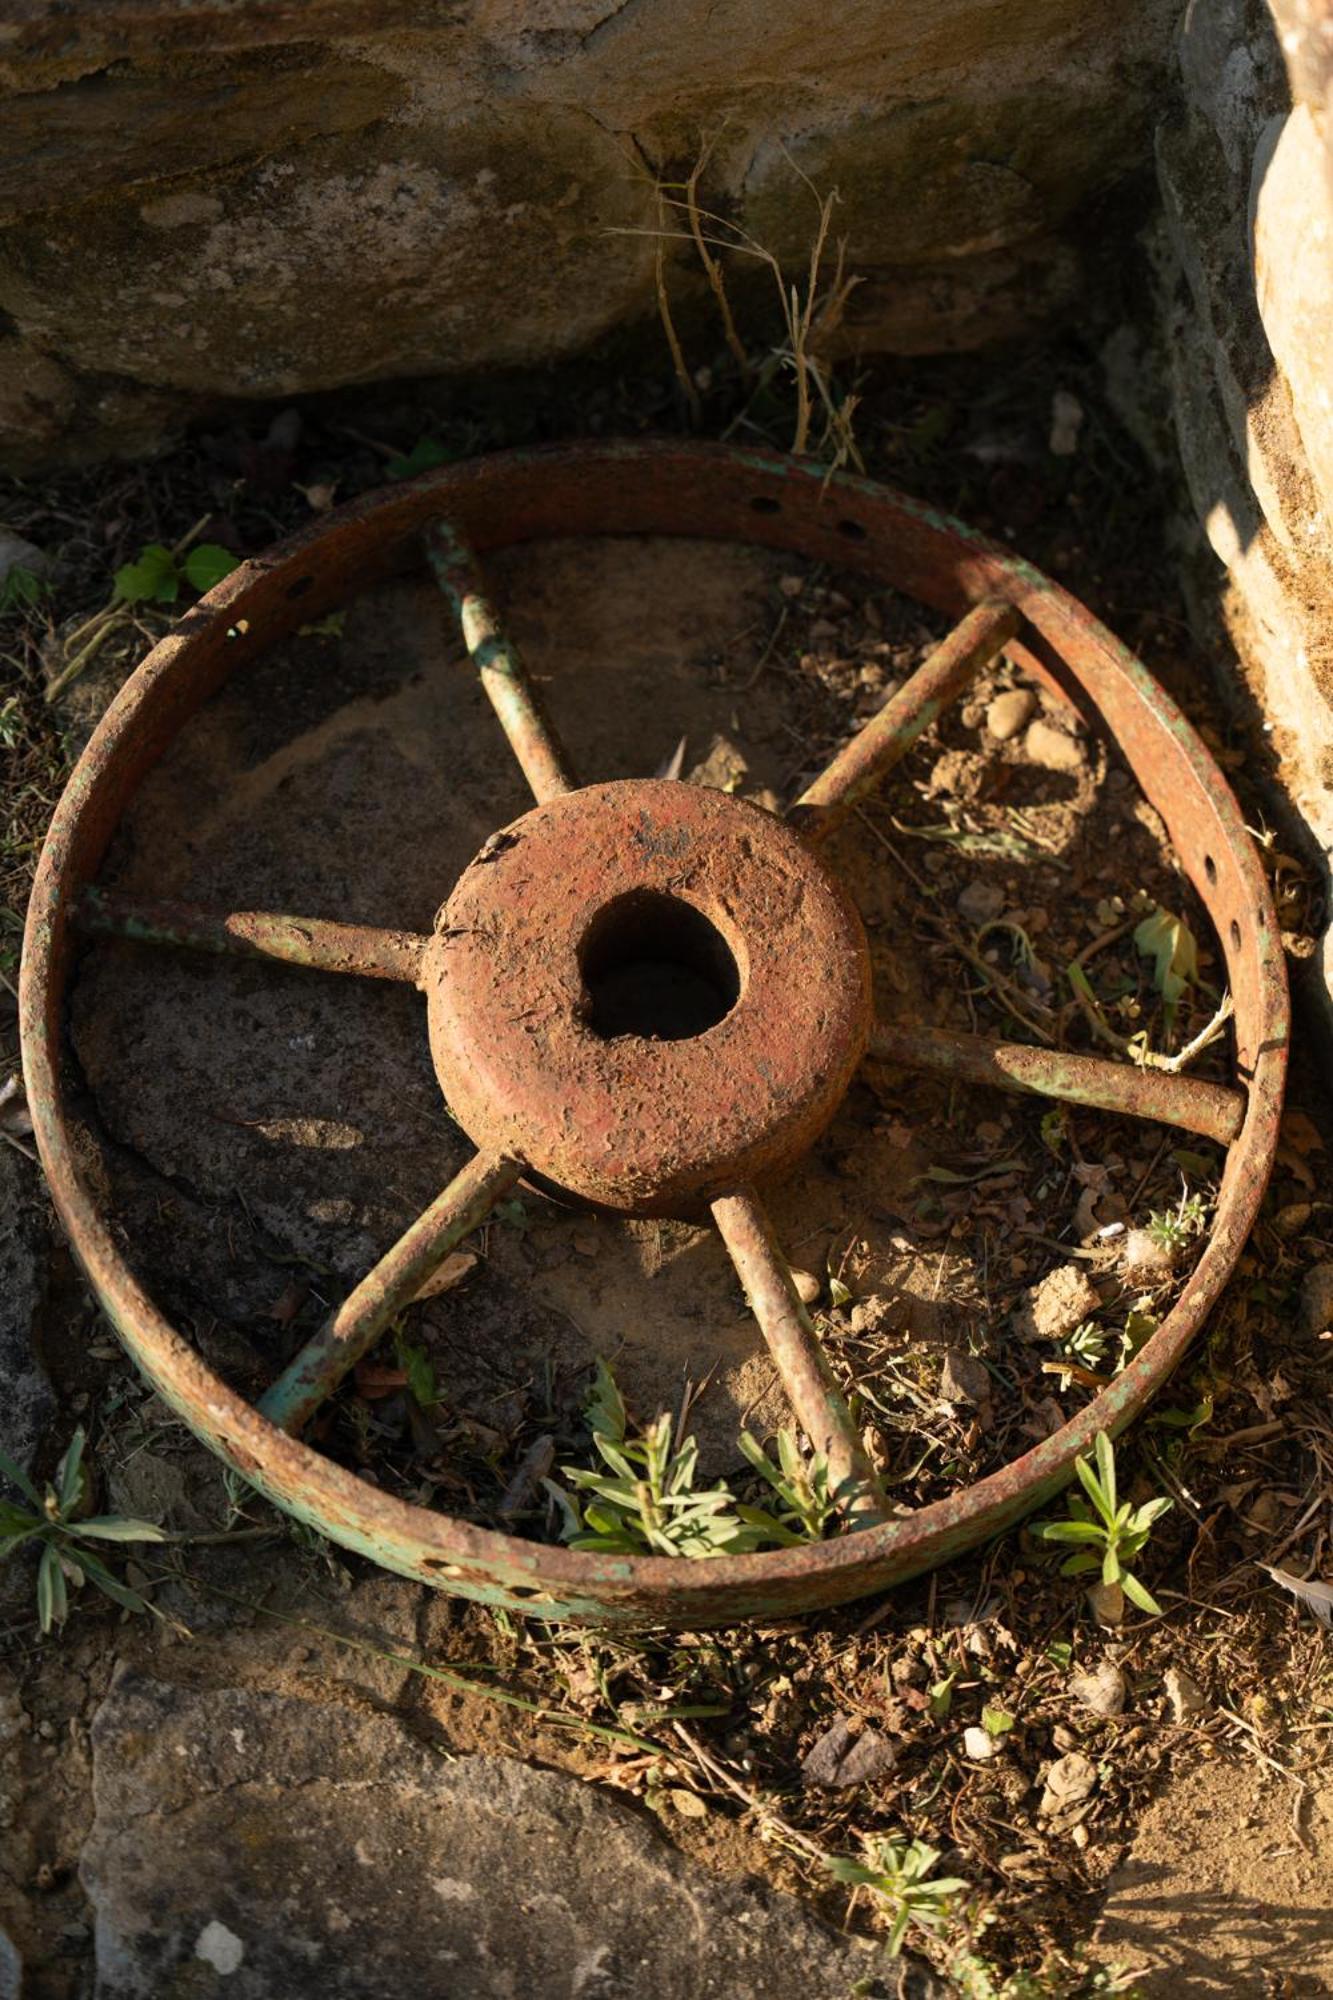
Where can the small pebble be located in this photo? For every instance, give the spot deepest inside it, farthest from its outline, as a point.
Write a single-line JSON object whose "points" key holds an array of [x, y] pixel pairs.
{"points": [[979, 1746], [964, 1379], [1104, 1690], [1069, 1781], [847, 1754], [981, 901], [1009, 713], [1106, 1601], [1186, 1697], [1052, 749], [1317, 1300]]}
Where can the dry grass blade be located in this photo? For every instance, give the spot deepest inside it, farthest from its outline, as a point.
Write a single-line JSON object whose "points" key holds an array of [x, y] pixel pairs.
{"points": [[810, 313]]}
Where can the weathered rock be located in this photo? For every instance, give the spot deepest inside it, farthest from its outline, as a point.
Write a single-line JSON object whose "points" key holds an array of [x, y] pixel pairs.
{"points": [[1062, 1300], [1069, 1781], [255, 1844], [240, 201], [339, 266], [845, 1755], [963, 1378], [1246, 256], [1293, 280], [1103, 1690]]}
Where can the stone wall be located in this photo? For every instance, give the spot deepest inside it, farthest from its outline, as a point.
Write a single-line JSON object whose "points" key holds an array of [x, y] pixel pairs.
{"points": [[210, 198], [1247, 196]]}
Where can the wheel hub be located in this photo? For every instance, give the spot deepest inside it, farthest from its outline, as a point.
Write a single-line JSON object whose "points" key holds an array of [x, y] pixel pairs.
{"points": [[649, 992]]}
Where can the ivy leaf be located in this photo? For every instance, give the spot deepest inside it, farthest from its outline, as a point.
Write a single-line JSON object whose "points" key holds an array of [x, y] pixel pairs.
{"points": [[21, 589], [425, 454], [153, 579], [417, 1366], [207, 565]]}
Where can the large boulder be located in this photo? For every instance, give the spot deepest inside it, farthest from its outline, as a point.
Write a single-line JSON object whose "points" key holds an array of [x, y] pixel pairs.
{"points": [[228, 198], [1246, 252]]}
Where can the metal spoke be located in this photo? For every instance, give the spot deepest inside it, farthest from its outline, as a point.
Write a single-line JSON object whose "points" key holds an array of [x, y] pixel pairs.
{"points": [[888, 736], [512, 695], [359, 949], [785, 1324], [1211, 1109], [382, 1294]]}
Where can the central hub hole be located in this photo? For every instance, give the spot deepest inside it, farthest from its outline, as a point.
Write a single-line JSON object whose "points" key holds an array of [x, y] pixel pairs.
{"points": [[655, 966]]}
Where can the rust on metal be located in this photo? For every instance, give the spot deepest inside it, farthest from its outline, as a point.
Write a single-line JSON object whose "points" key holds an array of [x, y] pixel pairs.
{"points": [[819, 1404], [872, 753], [1210, 1109], [382, 1294], [503, 675], [704, 887], [362, 950], [720, 492]]}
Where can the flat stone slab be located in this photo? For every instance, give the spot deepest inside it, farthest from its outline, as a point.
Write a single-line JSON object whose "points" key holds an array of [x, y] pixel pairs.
{"points": [[254, 1844]]}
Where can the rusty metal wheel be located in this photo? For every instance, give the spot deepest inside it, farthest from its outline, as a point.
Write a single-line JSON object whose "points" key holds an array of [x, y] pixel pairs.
{"points": [[526, 952]]}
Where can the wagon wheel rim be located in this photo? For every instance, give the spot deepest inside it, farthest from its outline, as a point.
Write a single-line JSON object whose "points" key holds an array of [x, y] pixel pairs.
{"points": [[657, 489]]}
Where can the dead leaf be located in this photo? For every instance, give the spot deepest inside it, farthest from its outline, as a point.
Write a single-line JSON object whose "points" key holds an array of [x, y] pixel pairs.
{"points": [[374, 1382], [285, 1309], [672, 766], [1300, 1132], [461, 1264]]}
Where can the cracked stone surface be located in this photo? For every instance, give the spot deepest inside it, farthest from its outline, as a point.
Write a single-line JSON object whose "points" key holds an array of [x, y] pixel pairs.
{"points": [[223, 200], [253, 1844]]}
